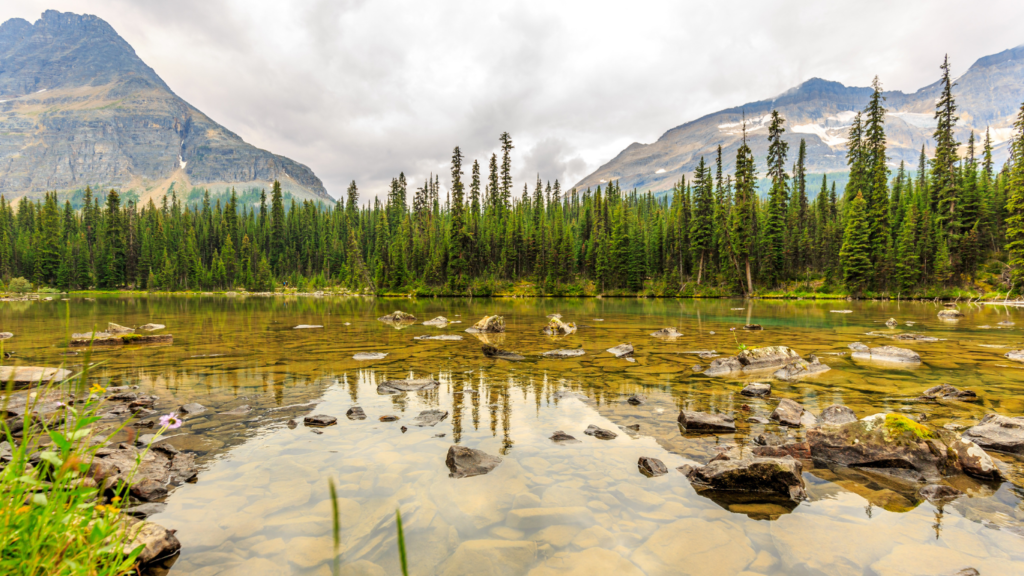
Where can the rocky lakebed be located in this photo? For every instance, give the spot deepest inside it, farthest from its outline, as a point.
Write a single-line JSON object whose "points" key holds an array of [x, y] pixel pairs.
{"points": [[549, 436]]}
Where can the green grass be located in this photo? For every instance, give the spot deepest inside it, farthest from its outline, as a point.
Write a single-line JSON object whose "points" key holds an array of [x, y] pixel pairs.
{"points": [[54, 519]]}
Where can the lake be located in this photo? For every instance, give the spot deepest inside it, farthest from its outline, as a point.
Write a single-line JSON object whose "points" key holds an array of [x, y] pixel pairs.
{"points": [[261, 504]]}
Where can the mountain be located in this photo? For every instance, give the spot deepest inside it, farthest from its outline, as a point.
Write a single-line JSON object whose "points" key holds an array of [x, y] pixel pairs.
{"points": [[989, 95], [78, 107]]}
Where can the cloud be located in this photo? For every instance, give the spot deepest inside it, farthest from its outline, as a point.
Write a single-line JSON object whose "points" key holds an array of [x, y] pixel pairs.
{"points": [[361, 90]]}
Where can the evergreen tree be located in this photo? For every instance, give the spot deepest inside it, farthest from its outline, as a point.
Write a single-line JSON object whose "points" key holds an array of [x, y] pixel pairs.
{"points": [[856, 250]]}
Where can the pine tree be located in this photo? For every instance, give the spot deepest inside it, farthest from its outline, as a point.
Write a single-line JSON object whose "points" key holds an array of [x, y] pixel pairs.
{"points": [[702, 218], [742, 229], [775, 227], [856, 250], [945, 189], [1015, 203]]}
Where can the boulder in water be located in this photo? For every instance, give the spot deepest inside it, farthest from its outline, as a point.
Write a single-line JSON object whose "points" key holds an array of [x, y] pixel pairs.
{"points": [[556, 327], [397, 316], [837, 414], [157, 542], [891, 323], [705, 422], [439, 322], [651, 467], [117, 329], [622, 350], [152, 327], [365, 356], [950, 314], [999, 433], [429, 418], [411, 385], [465, 462], [910, 337], [6, 335], [858, 347], [601, 433], [320, 420], [1016, 355], [776, 476], [192, 409], [752, 327], [637, 399], [889, 354], [560, 437], [307, 327], [667, 333], [355, 413], [801, 369], [790, 413], [757, 389], [947, 392], [564, 353], [753, 360], [488, 325], [161, 466], [441, 337]]}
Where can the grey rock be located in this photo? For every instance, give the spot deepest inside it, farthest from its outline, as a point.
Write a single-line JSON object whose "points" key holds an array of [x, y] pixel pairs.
{"points": [[910, 337], [157, 541], [621, 350], [758, 420], [757, 389], [753, 360], [397, 316], [667, 333], [560, 437], [355, 413], [6, 335], [752, 327], [556, 327], [152, 327], [837, 414], [769, 439], [150, 479], [465, 462], [319, 420], [442, 337], [999, 433], [600, 433], [389, 418], [705, 422], [947, 392], [788, 413], [889, 354], [951, 314], [488, 325], [651, 467], [146, 510], [891, 323], [439, 322], [365, 356], [492, 352], [307, 327], [859, 347], [1016, 355], [801, 369], [697, 368], [564, 353], [117, 329], [429, 417], [637, 399], [412, 385], [778, 476]]}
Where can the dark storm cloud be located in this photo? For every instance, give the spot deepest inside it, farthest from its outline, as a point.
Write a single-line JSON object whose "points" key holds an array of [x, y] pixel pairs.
{"points": [[361, 90]]}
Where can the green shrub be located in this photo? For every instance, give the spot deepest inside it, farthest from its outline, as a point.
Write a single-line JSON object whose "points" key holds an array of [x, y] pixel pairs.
{"points": [[19, 286]]}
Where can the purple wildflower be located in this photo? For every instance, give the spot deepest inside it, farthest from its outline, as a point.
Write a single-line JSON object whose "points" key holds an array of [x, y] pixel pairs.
{"points": [[170, 421]]}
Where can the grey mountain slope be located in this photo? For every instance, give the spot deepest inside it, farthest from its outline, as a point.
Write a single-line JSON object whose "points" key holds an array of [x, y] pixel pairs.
{"points": [[819, 111], [78, 107]]}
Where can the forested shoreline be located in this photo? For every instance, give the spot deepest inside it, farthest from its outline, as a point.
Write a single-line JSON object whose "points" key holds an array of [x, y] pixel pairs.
{"points": [[954, 222]]}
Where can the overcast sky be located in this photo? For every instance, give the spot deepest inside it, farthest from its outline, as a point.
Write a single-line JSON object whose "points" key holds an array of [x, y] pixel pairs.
{"points": [[362, 90]]}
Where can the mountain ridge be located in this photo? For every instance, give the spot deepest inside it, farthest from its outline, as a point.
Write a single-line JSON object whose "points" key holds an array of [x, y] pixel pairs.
{"points": [[78, 108], [819, 111]]}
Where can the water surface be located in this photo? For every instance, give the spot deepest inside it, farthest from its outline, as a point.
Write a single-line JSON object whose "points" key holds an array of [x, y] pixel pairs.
{"points": [[261, 503]]}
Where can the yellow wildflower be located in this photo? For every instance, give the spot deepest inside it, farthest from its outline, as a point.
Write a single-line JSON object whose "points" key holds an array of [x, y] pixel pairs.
{"points": [[97, 389]]}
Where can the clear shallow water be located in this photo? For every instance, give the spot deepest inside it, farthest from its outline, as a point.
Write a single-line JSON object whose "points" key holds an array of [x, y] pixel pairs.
{"points": [[261, 504]]}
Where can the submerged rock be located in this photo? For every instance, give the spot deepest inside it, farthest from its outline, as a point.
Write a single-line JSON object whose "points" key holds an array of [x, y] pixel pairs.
{"points": [[757, 389], [939, 493], [898, 446], [837, 414], [909, 337], [752, 360], [492, 352], [800, 369], [560, 437], [651, 467], [439, 322], [1016, 355], [564, 353], [411, 385], [951, 314], [465, 462], [355, 413], [488, 325], [238, 411], [705, 422], [363, 356], [601, 433], [621, 350], [397, 316], [667, 333], [429, 418], [1000, 433], [443, 337], [891, 323], [192, 409], [947, 392], [556, 327], [890, 354], [320, 420], [752, 327], [776, 476]]}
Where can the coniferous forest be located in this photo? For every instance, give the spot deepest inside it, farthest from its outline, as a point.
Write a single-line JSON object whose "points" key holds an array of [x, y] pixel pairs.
{"points": [[954, 221]]}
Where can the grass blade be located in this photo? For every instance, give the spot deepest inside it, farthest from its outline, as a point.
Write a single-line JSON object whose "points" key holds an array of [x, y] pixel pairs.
{"points": [[401, 543]]}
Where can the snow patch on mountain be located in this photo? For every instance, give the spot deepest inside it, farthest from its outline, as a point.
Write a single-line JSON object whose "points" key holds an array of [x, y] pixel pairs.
{"points": [[831, 137]]}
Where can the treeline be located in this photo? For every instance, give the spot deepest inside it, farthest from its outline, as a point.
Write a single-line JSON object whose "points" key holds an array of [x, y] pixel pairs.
{"points": [[888, 232]]}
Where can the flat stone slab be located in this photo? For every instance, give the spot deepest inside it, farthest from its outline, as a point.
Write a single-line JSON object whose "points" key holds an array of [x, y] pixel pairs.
{"points": [[429, 418], [706, 422], [27, 375], [440, 322], [890, 354], [757, 389], [412, 385], [152, 327], [307, 327], [621, 350], [363, 356], [492, 352], [564, 353], [440, 337], [465, 462]]}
